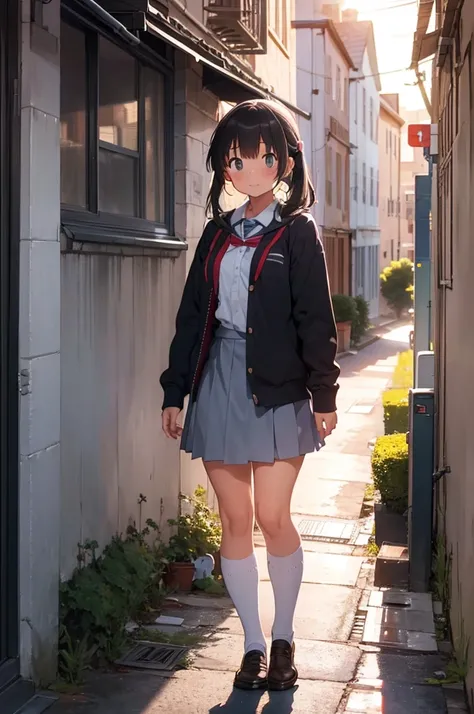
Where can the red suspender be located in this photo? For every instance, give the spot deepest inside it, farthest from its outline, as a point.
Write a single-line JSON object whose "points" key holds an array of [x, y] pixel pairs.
{"points": [[223, 249], [214, 241]]}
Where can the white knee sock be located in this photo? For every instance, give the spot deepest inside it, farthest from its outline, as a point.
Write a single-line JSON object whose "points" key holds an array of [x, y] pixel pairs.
{"points": [[286, 574], [241, 579]]}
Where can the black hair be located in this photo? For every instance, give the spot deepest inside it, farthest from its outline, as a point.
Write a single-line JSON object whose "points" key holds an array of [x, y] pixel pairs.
{"points": [[246, 126]]}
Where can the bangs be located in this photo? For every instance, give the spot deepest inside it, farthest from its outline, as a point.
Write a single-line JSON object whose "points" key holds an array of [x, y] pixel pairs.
{"points": [[245, 129]]}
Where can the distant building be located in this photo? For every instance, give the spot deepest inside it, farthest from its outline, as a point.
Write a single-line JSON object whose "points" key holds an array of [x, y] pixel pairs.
{"points": [[412, 163], [364, 88], [390, 126], [323, 68]]}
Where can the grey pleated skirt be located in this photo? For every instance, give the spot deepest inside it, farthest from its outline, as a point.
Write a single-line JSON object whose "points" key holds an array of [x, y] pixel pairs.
{"points": [[223, 424]]}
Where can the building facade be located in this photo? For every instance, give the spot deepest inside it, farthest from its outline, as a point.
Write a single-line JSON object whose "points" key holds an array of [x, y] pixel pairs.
{"points": [[364, 103], [453, 300], [390, 125], [105, 119], [325, 131]]}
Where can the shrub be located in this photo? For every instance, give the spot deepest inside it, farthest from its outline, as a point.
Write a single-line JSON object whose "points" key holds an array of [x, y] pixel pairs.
{"points": [[396, 281], [197, 533], [395, 411], [345, 308], [403, 372], [390, 471], [361, 324]]}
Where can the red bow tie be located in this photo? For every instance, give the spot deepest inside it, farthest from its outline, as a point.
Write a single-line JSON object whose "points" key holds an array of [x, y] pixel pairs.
{"points": [[249, 243]]}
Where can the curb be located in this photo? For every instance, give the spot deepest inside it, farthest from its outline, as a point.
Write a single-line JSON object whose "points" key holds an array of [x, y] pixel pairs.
{"points": [[373, 338]]}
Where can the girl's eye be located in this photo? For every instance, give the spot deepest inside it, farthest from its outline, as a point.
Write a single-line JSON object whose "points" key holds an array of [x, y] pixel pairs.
{"points": [[270, 160], [236, 164]]}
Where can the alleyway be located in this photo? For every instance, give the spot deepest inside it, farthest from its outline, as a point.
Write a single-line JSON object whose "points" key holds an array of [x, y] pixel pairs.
{"points": [[330, 491]]}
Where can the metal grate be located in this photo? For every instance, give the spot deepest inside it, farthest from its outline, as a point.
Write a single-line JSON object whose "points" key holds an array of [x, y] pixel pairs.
{"points": [[150, 655], [358, 626], [328, 531]]}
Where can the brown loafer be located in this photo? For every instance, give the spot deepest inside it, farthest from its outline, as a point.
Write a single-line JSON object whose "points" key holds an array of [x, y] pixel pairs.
{"points": [[253, 671], [282, 673]]}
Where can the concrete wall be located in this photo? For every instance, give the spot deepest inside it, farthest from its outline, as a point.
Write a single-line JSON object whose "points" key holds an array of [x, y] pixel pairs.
{"points": [[39, 344], [117, 320], [454, 345]]}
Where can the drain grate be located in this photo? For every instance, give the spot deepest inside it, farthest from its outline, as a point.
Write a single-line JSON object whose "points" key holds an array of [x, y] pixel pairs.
{"points": [[328, 531], [357, 631], [150, 655]]}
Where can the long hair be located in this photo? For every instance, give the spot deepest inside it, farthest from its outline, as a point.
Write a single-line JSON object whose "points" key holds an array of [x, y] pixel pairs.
{"points": [[245, 127]]}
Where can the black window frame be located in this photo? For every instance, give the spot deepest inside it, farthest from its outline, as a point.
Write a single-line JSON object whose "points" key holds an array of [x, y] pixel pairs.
{"points": [[89, 224]]}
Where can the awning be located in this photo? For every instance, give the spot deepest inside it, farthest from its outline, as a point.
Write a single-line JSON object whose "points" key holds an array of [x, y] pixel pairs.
{"points": [[425, 9], [227, 80]]}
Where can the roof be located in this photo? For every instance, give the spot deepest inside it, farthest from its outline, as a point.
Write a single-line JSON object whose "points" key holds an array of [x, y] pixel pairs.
{"points": [[355, 36], [387, 107], [332, 28], [358, 36]]}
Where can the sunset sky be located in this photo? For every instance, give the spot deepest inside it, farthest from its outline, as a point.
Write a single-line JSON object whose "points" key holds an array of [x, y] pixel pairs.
{"points": [[394, 25]]}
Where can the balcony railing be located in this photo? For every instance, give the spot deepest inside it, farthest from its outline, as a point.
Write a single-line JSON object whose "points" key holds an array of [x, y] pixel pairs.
{"points": [[240, 24]]}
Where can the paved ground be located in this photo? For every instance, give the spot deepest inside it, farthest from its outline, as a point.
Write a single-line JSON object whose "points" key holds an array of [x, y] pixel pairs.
{"points": [[337, 673]]}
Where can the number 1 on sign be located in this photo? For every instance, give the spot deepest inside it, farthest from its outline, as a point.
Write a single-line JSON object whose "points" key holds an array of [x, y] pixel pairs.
{"points": [[420, 136]]}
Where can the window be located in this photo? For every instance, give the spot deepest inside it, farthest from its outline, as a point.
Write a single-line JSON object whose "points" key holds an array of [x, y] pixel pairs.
{"points": [[328, 76], [377, 193], [371, 119], [329, 175], [338, 87], [386, 141], [364, 110], [372, 187], [355, 186], [279, 20], [115, 149], [364, 183], [338, 180], [395, 139]]}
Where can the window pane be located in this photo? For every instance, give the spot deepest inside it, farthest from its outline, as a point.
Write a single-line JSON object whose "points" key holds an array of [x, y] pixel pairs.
{"points": [[73, 116], [154, 89], [118, 105], [117, 183]]}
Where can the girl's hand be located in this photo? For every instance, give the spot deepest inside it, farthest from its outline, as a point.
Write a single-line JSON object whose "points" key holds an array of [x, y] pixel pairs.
{"points": [[325, 423], [170, 424]]}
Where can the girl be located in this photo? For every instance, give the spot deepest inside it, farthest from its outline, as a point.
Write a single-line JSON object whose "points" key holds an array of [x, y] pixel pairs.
{"points": [[255, 342]]}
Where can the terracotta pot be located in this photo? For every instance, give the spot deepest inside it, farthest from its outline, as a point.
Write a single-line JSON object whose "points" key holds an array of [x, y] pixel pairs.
{"points": [[343, 336], [179, 576], [217, 563]]}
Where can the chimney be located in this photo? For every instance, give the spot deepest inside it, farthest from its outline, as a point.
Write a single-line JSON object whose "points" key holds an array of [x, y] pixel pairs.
{"points": [[350, 15], [332, 10]]}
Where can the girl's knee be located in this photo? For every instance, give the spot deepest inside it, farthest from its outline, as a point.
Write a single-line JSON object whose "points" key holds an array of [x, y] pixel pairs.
{"points": [[272, 521], [237, 522]]}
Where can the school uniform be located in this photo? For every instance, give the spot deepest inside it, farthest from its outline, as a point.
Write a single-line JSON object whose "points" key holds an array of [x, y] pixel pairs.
{"points": [[255, 340]]}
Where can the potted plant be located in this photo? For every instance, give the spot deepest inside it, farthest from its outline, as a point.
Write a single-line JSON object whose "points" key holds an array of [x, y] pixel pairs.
{"points": [[345, 313], [390, 473], [198, 533]]}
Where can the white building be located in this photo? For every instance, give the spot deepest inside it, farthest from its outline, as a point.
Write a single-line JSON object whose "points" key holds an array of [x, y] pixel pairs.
{"points": [[323, 67], [364, 88]]}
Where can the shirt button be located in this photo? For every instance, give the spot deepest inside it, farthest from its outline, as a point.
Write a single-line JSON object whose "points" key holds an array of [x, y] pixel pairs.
{"points": [[255, 398], [250, 330], [250, 370], [251, 288]]}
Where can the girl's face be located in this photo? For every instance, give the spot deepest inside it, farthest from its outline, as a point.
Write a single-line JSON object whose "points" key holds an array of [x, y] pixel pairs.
{"points": [[253, 176]]}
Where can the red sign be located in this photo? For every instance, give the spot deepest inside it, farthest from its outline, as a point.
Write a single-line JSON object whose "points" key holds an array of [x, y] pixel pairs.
{"points": [[419, 135]]}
